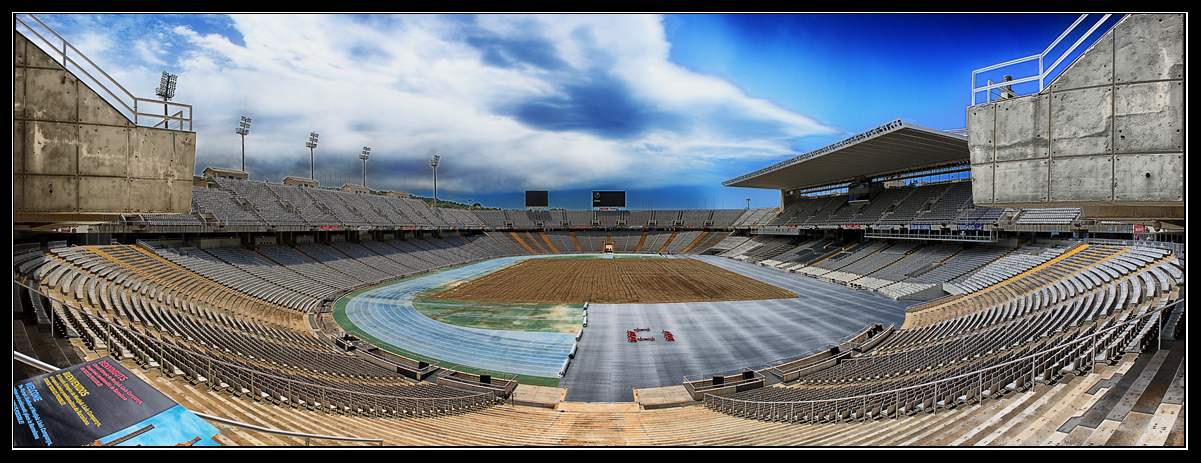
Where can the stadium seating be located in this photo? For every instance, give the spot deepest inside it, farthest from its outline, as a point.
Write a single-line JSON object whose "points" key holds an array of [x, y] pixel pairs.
{"points": [[952, 202], [1047, 216], [985, 351], [268, 206], [224, 207]]}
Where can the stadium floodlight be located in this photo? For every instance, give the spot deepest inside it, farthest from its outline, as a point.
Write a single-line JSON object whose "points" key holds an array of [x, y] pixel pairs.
{"points": [[366, 154], [166, 86], [166, 91], [434, 164], [311, 145], [243, 130]]}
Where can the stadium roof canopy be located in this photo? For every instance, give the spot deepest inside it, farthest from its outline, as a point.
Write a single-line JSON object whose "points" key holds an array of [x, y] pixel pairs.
{"points": [[890, 147]]}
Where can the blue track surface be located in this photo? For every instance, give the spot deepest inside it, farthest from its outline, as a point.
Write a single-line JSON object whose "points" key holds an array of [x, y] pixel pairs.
{"points": [[710, 336], [387, 313]]}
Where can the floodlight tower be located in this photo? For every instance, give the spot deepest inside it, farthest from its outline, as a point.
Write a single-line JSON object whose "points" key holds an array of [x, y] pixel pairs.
{"points": [[434, 164], [244, 130], [312, 144], [366, 154], [166, 91]]}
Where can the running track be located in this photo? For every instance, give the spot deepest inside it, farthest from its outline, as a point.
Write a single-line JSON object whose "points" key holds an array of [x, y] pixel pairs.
{"points": [[710, 336]]}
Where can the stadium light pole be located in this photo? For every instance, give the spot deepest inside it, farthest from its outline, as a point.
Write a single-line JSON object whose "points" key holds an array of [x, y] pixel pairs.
{"points": [[366, 154], [312, 144], [244, 130], [166, 90], [434, 164]]}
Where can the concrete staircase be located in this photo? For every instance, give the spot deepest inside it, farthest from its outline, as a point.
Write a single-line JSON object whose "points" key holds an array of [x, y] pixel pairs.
{"points": [[1144, 407]]}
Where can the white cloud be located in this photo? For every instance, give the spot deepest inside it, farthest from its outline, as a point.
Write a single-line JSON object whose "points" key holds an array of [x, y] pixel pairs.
{"points": [[412, 85]]}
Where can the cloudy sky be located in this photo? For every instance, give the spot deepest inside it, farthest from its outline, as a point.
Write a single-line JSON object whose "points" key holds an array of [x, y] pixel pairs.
{"points": [[665, 107]]}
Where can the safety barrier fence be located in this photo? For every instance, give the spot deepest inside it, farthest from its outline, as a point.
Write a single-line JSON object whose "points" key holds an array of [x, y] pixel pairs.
{"points": [[75, 62], [943, 393], [1044, 72]]}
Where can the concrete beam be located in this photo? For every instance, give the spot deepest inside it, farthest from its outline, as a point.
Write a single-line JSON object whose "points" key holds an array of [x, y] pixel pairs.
{"points": [[1107, 132], [1149, 117], [1150, 178]]}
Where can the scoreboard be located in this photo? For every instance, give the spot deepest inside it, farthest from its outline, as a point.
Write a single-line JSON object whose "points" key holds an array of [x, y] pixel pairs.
{"points": [[608, 199], [537, 199]]}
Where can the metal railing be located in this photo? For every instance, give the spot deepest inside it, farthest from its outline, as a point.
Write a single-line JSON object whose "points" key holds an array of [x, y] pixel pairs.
{"points": [[973, 384], [1044, 72], [128, 104], [146, 346], [307, 437], [1175, 248]]}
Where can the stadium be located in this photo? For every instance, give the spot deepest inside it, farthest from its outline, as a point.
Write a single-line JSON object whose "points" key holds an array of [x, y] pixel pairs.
{"points": [[1016, 283]]}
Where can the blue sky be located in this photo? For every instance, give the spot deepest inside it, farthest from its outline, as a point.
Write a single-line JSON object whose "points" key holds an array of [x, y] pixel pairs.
{"points": [[665, 107]]}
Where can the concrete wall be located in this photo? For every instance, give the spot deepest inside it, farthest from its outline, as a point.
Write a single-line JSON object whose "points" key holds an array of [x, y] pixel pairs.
{"points": [[75, 156], [1106, 135]]}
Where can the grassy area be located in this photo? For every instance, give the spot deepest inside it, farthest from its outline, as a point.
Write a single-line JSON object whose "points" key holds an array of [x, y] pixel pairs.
{"points": [[507, 324], [602, 256], [510, 316]]}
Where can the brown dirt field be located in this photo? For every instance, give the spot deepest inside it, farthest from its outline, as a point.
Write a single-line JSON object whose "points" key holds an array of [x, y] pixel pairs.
{"points": [[613, 281]]}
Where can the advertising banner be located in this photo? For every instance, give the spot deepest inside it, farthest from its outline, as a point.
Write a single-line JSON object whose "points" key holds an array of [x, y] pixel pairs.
{"points": [[100, 403]]}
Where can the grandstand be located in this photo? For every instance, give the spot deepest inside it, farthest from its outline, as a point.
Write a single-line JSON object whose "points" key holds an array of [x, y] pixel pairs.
{"points": [[926, 317]]}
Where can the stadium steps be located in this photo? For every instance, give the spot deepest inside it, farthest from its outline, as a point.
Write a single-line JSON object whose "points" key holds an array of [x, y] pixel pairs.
{"points": [[241, 409], [502, 244], [522, 243], [35, 340], [640, 243], [849, 248], [548, 243], [933, 265], [1141, 409], [945, 309], [694, 242], [878, 270], [577, 243], [538, 245], [264, 310], [892, 208], [712, 240], [668, 243]]}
